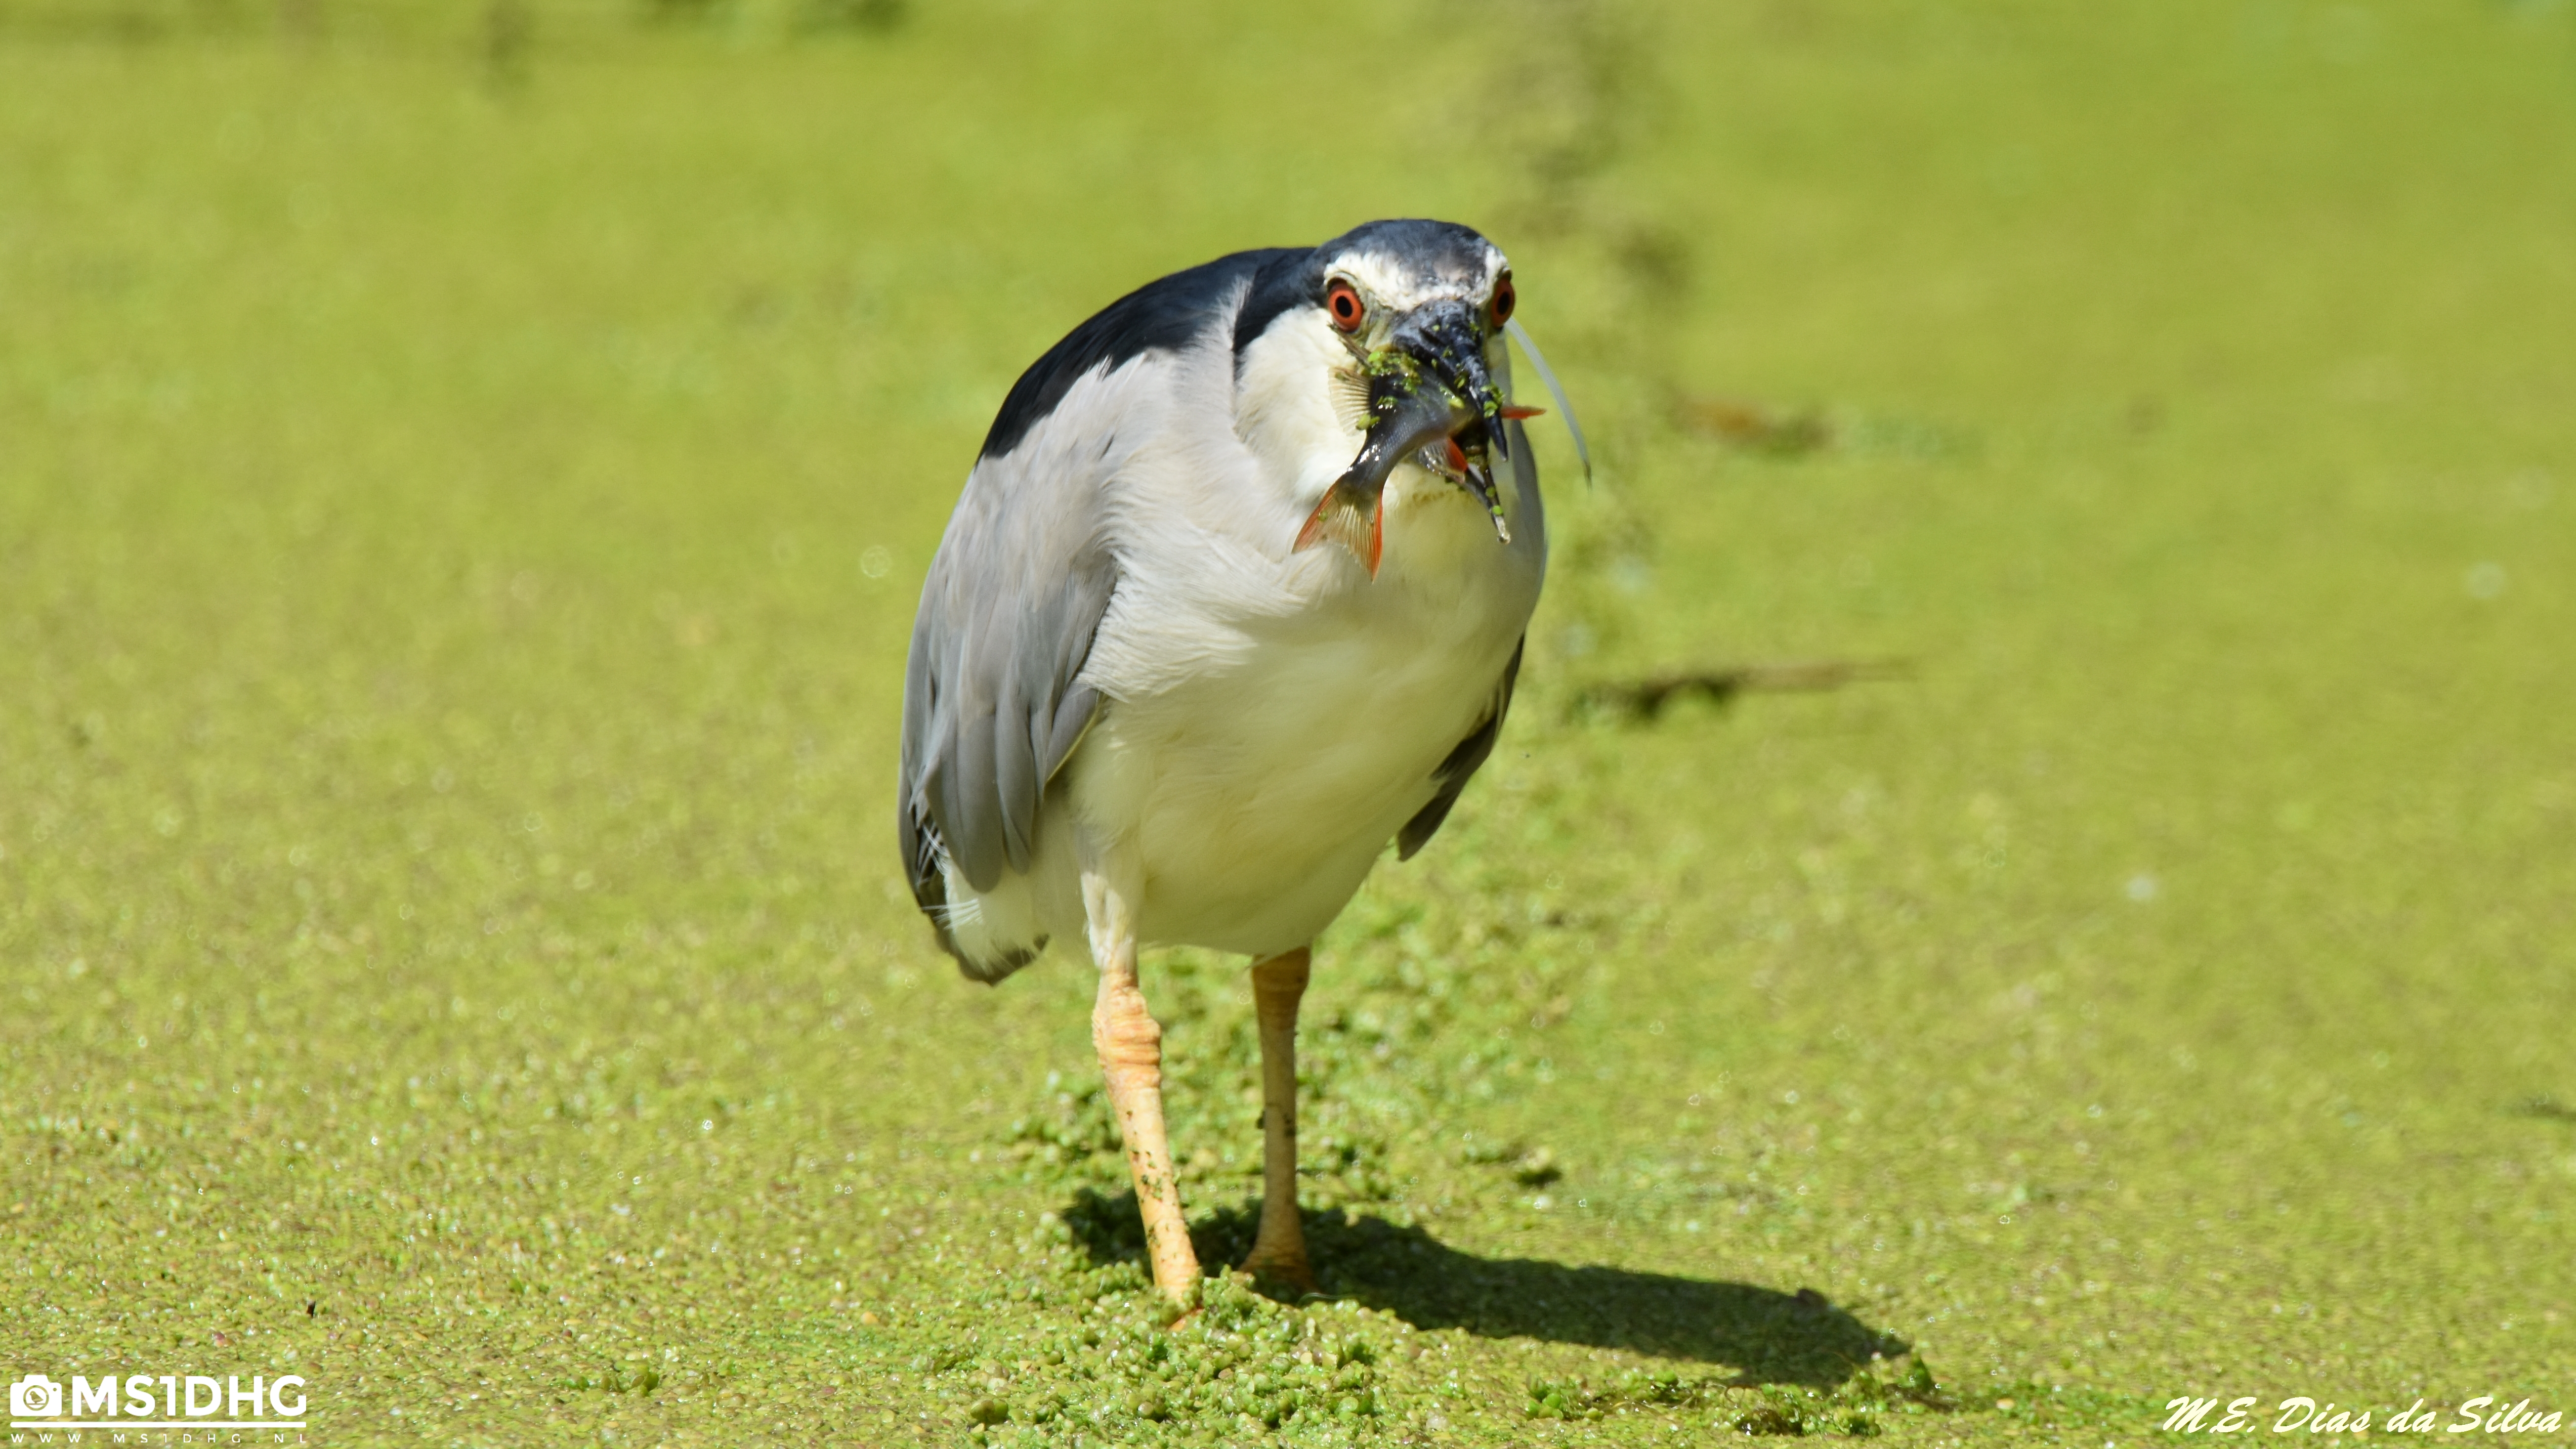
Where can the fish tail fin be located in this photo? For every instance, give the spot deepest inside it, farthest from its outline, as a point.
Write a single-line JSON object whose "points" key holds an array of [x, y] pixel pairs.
{"points": [[1351, 518]]}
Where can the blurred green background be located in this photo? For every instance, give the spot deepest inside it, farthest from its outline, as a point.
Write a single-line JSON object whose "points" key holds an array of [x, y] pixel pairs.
{"points": [[465, 474]]}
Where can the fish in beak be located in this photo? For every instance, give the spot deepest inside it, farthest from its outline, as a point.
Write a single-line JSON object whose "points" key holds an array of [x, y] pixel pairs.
{"points": [[1431, 401]]}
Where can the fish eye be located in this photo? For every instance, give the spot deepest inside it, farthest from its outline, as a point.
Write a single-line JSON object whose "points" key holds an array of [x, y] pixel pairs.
{"points": [[1343, 301], [1504, 299]]}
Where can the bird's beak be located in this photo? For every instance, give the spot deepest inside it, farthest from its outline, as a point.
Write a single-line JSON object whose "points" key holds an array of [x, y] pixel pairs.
{"points": [[1444, 340], [1431, 401]]}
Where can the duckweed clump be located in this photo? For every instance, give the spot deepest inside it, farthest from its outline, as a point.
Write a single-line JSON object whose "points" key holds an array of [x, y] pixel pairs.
{"points": [[1241, 1363], [1857, 1406]]}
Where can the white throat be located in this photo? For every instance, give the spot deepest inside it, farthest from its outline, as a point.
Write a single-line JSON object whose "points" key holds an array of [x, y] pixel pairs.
{"points": [[1285, 413]]}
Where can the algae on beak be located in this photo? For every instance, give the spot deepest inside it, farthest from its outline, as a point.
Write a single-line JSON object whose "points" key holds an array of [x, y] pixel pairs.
{"points": [[1430, 402]]}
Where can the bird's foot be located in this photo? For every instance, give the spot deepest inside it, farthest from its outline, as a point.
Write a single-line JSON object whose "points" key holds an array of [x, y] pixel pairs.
{"points": [[1176, 1267], [1284, 1269]]}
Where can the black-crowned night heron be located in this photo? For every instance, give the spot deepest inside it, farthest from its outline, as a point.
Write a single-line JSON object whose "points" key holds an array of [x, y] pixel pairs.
{"points": [[1233, 597]]}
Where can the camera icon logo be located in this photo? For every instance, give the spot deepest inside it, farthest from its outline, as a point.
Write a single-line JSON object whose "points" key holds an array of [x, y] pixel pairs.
{"points": [[35, 1397]]}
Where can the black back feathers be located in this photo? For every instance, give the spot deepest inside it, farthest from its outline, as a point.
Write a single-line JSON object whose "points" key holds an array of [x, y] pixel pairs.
{"points": [[1167, 314]]}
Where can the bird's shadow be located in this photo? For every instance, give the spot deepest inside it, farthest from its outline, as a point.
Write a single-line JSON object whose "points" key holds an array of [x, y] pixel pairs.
{"points": [[1766, 1336]]}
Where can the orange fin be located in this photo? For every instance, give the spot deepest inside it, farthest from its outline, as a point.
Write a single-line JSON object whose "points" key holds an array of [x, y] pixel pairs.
{"points": [[1517, 413], [1350, 518]]}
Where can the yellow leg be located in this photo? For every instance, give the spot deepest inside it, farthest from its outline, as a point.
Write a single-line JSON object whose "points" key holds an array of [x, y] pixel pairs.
{"points": [[1279, 1248], [1130, 1043]]}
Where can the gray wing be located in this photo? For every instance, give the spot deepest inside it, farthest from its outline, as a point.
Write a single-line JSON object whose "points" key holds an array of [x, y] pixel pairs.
{"points": [[992, 702], [1461, 764]]}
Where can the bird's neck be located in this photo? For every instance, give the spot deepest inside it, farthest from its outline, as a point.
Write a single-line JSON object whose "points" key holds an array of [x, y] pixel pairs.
{"points": [[1283, 407]]}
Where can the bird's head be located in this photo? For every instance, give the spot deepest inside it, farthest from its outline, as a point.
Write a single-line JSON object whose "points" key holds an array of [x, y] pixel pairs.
{"points": [[1417, 308]]}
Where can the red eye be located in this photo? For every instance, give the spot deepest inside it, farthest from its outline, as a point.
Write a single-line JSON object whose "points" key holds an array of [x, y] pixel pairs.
{"points": [[1504, 297], [1343, 301]]}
